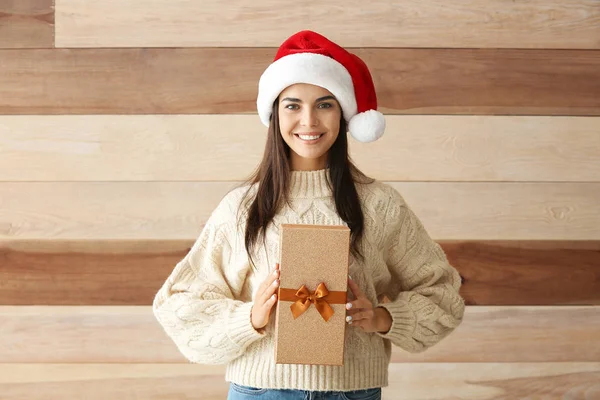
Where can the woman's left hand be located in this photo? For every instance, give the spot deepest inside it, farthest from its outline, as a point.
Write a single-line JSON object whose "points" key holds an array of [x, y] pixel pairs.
{"points": [[360, 312]]}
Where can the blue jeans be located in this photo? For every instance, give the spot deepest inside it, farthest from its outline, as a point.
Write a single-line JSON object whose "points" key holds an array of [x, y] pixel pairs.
{"points": [[239, 392]]}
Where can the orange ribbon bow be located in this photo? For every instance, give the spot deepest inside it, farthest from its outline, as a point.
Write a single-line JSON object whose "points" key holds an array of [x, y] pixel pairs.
{"points": [[321, 298]]}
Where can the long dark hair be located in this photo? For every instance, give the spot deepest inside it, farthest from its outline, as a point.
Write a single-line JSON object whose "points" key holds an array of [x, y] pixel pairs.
{"points": [[273, 176]]}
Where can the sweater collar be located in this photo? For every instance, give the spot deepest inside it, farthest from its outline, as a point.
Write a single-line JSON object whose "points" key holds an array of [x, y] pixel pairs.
{"points": [[309, 184]]}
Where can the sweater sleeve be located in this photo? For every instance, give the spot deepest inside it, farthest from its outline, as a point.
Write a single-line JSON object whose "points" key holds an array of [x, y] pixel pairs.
{"points": [[426, 304], [196, 305]]}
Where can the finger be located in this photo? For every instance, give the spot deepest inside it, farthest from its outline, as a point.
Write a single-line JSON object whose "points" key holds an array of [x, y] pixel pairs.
{"points": [[261, 293], [362, 315], [273, 290], [269, 291], [359, 324], [358, 304], [261, 317], [357, 307], [271, 301], [353, 312], [268, 280], [354, 289]]}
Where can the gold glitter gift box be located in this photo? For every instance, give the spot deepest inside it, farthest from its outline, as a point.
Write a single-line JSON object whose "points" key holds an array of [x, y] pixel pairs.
{"points": [[310, 319]]}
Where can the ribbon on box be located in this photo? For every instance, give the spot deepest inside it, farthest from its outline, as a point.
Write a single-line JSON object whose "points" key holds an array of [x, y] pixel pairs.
{"points": [[321, 298]]}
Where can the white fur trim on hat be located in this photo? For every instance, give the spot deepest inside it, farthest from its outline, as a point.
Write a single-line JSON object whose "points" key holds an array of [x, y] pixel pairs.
{"points": [[367, 126], [310, 68]]}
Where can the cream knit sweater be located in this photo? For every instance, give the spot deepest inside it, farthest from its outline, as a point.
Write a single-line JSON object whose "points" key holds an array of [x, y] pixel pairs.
{"points": [[204, 305]]}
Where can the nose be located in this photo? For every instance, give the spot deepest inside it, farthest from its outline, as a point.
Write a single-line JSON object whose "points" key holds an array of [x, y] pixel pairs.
{"points": [[309, 117]]}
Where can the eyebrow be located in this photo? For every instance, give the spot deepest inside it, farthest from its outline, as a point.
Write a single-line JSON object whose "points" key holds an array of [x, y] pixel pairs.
{"points": [[300, 101]]}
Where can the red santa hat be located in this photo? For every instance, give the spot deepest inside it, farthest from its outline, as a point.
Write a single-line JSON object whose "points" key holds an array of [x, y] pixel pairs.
{"points": [[308, 57]]}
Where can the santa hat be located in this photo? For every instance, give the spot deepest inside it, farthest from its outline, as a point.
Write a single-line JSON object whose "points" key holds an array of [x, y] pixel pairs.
{"points": [[307, 57]]}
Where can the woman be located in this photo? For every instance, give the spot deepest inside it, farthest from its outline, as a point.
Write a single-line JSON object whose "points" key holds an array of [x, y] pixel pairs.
{"points": [[217, 303]]}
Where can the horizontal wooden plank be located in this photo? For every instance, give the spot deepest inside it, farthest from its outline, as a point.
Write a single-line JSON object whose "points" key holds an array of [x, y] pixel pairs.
{"points": [[112, 381], [130, 334], [518, 334], [527, 272], [177, 210], [82, 272], [69, 373], [212, 81], [186, 148], [26, 24], [481, 381], [129, 272], [486, 381], [104, 210], [474, 23]]}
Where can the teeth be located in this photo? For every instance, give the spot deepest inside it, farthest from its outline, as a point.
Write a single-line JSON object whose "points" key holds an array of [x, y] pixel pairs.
{"points": [[309, 137]]}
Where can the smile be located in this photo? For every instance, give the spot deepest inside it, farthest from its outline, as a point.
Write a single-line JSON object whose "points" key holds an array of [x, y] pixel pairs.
{"points": [[309, 137]]}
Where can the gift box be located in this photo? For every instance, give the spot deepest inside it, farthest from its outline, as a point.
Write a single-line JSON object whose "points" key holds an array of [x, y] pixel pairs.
{"points": [[310, 318]]}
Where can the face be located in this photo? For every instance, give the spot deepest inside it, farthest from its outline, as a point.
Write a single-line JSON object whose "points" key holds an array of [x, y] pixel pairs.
{"points": [[309, 120]]}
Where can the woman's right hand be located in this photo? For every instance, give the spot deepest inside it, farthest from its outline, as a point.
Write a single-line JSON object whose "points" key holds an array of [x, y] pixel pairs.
{"points": [[265, 299]]}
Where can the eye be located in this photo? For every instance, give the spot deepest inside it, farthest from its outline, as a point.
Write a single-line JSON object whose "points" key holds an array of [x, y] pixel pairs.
{"points": [[292, 107], [325, 105]]}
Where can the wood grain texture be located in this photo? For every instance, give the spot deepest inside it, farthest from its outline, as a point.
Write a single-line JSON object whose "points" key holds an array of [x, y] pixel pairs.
{"points": [[26, 24], [178, 210], [104, 210], [473, 23], [60, 272], [485, 381], [206, 81], [112, 381], [518, 333], [527, 272], [130, 334], [478, 381], [229, 147], [86, 272]]}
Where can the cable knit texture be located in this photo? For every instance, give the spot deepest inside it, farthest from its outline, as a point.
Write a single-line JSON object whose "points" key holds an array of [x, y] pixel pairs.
{"points": [[204, 305]]}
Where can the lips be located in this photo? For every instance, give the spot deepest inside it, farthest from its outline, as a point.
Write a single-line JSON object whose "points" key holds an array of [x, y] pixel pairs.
{"points": [[309, 137]]}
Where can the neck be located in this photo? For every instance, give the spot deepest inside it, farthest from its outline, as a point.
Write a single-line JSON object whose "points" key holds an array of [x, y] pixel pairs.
{"points": [[298, 163]]}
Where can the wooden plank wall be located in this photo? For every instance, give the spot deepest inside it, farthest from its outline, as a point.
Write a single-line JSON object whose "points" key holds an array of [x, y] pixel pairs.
{"points": [[123, 123]]}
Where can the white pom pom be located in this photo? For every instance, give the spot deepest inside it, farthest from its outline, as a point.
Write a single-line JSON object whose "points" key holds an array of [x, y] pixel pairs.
{"points": [[367, 126]]}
